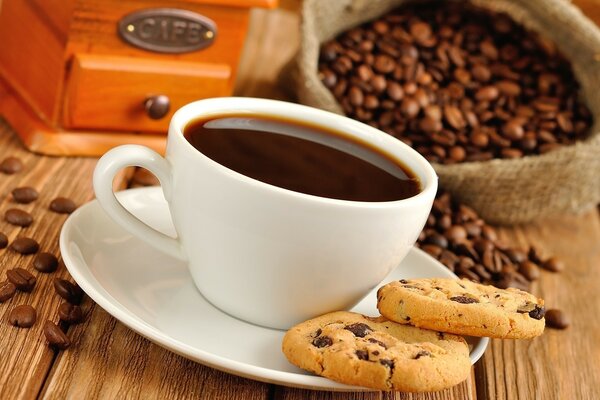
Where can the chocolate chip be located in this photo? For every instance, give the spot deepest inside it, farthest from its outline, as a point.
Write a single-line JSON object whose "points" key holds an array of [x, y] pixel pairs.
{"points": [[318, 332], [372, 340], [68, 291], [11, 165], [322, 341], [22, 279], [22, 316], [55, 336], [25, 194], [62, 205], [359, 329], [25, 245], [557, 319], [362, 355], [404, 281], [464, 299], [7, 290], [387, 363], [18, 217], [70, 313], [537, 313], [422, 353], [3, 240], [45, 262]]}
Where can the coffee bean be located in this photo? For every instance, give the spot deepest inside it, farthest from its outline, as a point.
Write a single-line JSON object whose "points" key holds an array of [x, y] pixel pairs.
{"points": [[456, 233], [22, 279], [25, 195], [68, 291], [7, 290], [454, 99], [62, 205], [3, 240], [529, 270], [25, 245], [45, 262], [557, 319], [22, 316], [70, 313], [553, 264], [18, 217], [11, 165], [55, 336]]}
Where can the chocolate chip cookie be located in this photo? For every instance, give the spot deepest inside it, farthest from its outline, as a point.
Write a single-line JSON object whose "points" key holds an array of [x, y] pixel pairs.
{"points": [[462, 307], [357, 350]]}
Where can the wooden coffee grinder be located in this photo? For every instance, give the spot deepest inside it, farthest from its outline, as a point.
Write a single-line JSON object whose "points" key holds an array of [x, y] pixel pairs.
{"points": [[78, 77]]}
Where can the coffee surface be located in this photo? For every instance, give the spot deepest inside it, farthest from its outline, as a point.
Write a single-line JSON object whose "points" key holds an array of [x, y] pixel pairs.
{"points": [[302, 158]]}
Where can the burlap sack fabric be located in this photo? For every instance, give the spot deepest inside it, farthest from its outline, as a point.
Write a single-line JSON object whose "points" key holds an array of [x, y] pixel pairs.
{"points": [[502, 191]]}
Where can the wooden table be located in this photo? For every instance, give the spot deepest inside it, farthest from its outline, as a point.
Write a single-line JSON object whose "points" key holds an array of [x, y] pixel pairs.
{"points": [[107, 360]]}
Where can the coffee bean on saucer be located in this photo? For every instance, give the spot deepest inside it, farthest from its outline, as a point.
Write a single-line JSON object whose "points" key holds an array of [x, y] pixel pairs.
{"points": [[7, 290], [3, 240], [553, 264], [55, 336], [70, 313], [25, 245], [557, 319], [22, 279], [62, 205], [68, 291], [23, 316], [45, 262], [11, 165], [18, 217], [25, 194]]}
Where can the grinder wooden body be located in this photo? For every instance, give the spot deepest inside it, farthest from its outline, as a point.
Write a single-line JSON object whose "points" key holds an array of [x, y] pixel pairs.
{"points": [[78, 77]]}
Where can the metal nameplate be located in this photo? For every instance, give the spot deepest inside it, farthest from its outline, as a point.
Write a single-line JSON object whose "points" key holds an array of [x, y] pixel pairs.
{"points": [[167, 30]]}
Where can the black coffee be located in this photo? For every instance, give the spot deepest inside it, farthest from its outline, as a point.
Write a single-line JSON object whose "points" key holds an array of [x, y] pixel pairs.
{"points": [[302, 158]]}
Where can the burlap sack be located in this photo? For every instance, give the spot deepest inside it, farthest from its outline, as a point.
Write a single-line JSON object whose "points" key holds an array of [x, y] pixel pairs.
{"points": [[502, 191]]}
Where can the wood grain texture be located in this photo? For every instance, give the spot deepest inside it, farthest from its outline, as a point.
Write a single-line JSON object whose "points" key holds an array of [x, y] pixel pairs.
{"points": [[33, 48], [560, 364], [25, 357]]}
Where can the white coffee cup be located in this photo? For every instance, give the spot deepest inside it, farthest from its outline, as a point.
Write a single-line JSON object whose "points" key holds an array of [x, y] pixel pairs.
{"points": [[261, 253]]}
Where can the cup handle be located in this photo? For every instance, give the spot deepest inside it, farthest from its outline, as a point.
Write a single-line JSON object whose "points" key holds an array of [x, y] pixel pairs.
{"points": [[106, 169]]}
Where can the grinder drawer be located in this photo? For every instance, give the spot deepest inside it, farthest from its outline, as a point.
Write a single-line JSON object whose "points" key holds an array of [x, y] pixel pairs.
{"points": [[125, 93]]}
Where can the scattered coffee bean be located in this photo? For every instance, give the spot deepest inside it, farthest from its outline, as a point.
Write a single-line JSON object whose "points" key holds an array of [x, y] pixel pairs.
{"points": [[557, 319], [55, 336], [445, 80], [529, 270], [3, 240], [553, 264], [7, 290], [62, 205], [70, 313], [11, 165], [68, 291], [472, 249], [25, 245], [18, 217], [24, 195], [22, 279], [23, 316], [45, 262]]}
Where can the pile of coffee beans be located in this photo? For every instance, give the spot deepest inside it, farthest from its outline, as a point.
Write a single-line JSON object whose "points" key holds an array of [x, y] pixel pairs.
{"points": [[457, 83], [457, 237], [20, 279]]}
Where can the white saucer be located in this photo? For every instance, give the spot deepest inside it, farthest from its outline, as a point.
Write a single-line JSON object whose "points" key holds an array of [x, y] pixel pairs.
{"points": [[153, 294]]}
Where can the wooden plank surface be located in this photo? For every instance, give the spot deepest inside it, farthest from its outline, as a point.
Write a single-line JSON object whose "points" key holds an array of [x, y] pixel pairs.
{"points": [[108, 360], [560, 364], [25, 359]]}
